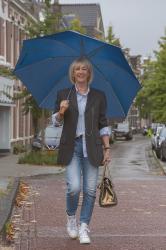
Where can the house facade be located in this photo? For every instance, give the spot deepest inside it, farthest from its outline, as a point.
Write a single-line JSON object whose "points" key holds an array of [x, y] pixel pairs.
{"points": [[89, 15], [14, 127]]}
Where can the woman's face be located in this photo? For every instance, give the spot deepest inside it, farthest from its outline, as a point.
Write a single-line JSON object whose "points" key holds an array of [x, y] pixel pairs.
{"points": [[81, 73]]}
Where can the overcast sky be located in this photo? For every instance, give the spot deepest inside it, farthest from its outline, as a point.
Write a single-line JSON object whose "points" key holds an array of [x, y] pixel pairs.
{"points": [[138, 23]]}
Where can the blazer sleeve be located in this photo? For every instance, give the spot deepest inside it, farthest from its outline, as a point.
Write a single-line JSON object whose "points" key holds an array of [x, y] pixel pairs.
{"points": [[102, 116], [57, 103]]}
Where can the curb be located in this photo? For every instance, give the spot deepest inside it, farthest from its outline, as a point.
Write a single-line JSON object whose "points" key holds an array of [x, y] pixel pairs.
{"points": [[42, 175], [153, 162], [7, 202], [159, 162]]}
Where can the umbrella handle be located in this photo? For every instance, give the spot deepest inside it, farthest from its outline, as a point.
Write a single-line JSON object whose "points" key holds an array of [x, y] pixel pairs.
{"points": [[68, 96]]}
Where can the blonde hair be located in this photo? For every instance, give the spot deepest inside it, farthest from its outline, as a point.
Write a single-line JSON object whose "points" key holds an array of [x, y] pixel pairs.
{"points": [[83, 61]]}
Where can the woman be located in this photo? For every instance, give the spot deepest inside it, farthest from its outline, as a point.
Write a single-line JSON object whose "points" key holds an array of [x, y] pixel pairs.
{"points": [[84, 144]]}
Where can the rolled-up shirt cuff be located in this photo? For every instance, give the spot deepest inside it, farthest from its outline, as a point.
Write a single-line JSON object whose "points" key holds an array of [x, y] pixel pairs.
{"points": [[55, 122], [105, 131]]}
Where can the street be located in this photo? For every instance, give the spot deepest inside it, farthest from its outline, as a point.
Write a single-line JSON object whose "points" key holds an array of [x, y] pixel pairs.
{"points": [[137, 222], [130, 159], [70, 73]]}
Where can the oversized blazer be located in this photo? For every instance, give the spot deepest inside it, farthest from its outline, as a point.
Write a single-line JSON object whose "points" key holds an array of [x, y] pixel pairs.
{"points": [[95, 119]]}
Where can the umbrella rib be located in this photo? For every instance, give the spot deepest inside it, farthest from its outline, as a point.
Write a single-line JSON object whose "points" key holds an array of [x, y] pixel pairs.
{"points": [[47, 59], [66, 45], [52, 90], [109, 86], [95, 51], [82, 47], [126, 72], [91, 54]]}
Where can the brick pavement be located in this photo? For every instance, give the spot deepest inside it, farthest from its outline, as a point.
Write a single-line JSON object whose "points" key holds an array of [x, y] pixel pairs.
{"points": [[137, 223]]}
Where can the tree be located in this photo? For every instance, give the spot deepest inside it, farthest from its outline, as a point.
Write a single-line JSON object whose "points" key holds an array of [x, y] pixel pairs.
{"points": [[49, 23], [143, 102], [6, 72], [152, 98], [159, 83], [111, 37], [75, 24]]}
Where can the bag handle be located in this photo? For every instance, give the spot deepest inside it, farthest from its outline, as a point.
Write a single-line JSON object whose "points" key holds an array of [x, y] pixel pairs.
{"points": [[106, 173]]}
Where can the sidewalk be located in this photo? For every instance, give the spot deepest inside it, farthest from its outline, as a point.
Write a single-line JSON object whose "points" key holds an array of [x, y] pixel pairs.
{"points": [[10, 168], [10, 173], [137, 222]]}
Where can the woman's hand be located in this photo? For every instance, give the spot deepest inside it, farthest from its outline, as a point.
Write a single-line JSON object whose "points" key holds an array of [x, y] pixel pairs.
{"points": [[63, 106], [107, 156]]}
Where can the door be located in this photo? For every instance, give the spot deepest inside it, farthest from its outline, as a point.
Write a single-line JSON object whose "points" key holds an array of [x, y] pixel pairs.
{"points": [[4, 128]]}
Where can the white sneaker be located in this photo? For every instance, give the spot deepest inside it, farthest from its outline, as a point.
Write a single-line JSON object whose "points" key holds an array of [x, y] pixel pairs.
{"points": [[72, 228], [83, 234]]}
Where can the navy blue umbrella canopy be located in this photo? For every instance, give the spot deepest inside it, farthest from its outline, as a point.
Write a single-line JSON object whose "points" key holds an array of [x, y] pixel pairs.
{"points": [[44, 63]]}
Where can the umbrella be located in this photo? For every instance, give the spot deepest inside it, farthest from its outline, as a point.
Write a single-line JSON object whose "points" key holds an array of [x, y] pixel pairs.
{"points": [[44, 63]]}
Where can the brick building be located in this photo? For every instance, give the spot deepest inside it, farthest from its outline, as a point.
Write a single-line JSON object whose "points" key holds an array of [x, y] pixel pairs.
{"points": [[133, 116], [14, 127]]}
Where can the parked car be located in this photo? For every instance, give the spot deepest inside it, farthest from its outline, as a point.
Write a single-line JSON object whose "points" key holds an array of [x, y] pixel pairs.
{"points": [[123, 130], [52, 137], [160, 141], [155, 136], [163, 150]]}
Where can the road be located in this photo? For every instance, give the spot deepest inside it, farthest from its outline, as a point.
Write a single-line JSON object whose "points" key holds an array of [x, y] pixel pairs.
{"points": [[130, 159], [137, 223]]}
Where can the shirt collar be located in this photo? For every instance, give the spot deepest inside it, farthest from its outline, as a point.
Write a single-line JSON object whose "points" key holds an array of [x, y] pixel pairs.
{"points": [[85, 94]]}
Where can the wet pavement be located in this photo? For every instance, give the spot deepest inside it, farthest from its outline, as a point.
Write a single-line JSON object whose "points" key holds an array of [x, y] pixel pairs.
{"points": [[137, 223], [10, 173], [131, 159]]}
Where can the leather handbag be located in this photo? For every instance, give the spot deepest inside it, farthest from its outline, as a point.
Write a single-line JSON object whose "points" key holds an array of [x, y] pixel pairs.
{"points": [[107, 195]]}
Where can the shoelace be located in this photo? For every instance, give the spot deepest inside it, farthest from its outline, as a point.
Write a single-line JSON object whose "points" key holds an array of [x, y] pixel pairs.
{"points": [[83, 231], [73, 223]]}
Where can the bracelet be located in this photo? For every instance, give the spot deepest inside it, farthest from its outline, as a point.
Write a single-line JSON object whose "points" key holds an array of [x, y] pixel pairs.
{"points": [[107, 148]]}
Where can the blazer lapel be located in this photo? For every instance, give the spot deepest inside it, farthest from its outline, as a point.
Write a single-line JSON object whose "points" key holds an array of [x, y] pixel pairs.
{"points": [[73, 100], [90, 100]]}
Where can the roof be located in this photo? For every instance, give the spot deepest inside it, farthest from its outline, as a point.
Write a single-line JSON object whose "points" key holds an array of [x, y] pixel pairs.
{"points": [[88, 14]]}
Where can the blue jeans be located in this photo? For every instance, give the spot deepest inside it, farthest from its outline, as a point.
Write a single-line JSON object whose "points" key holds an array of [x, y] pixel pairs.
{"points": [[78, 166]]}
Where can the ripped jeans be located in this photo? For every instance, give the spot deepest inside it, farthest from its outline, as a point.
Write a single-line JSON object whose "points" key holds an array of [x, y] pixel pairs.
{"points": [[80, 166]]}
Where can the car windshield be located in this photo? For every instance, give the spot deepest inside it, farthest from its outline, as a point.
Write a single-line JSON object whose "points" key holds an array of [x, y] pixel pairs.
{"points": [[50, 132], [158, 130], [163, 132], [53, 131], [123, 127]]}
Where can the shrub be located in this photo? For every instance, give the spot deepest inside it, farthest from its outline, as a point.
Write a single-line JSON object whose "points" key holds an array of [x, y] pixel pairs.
{"points": [[39, 158], [18, 148]]}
